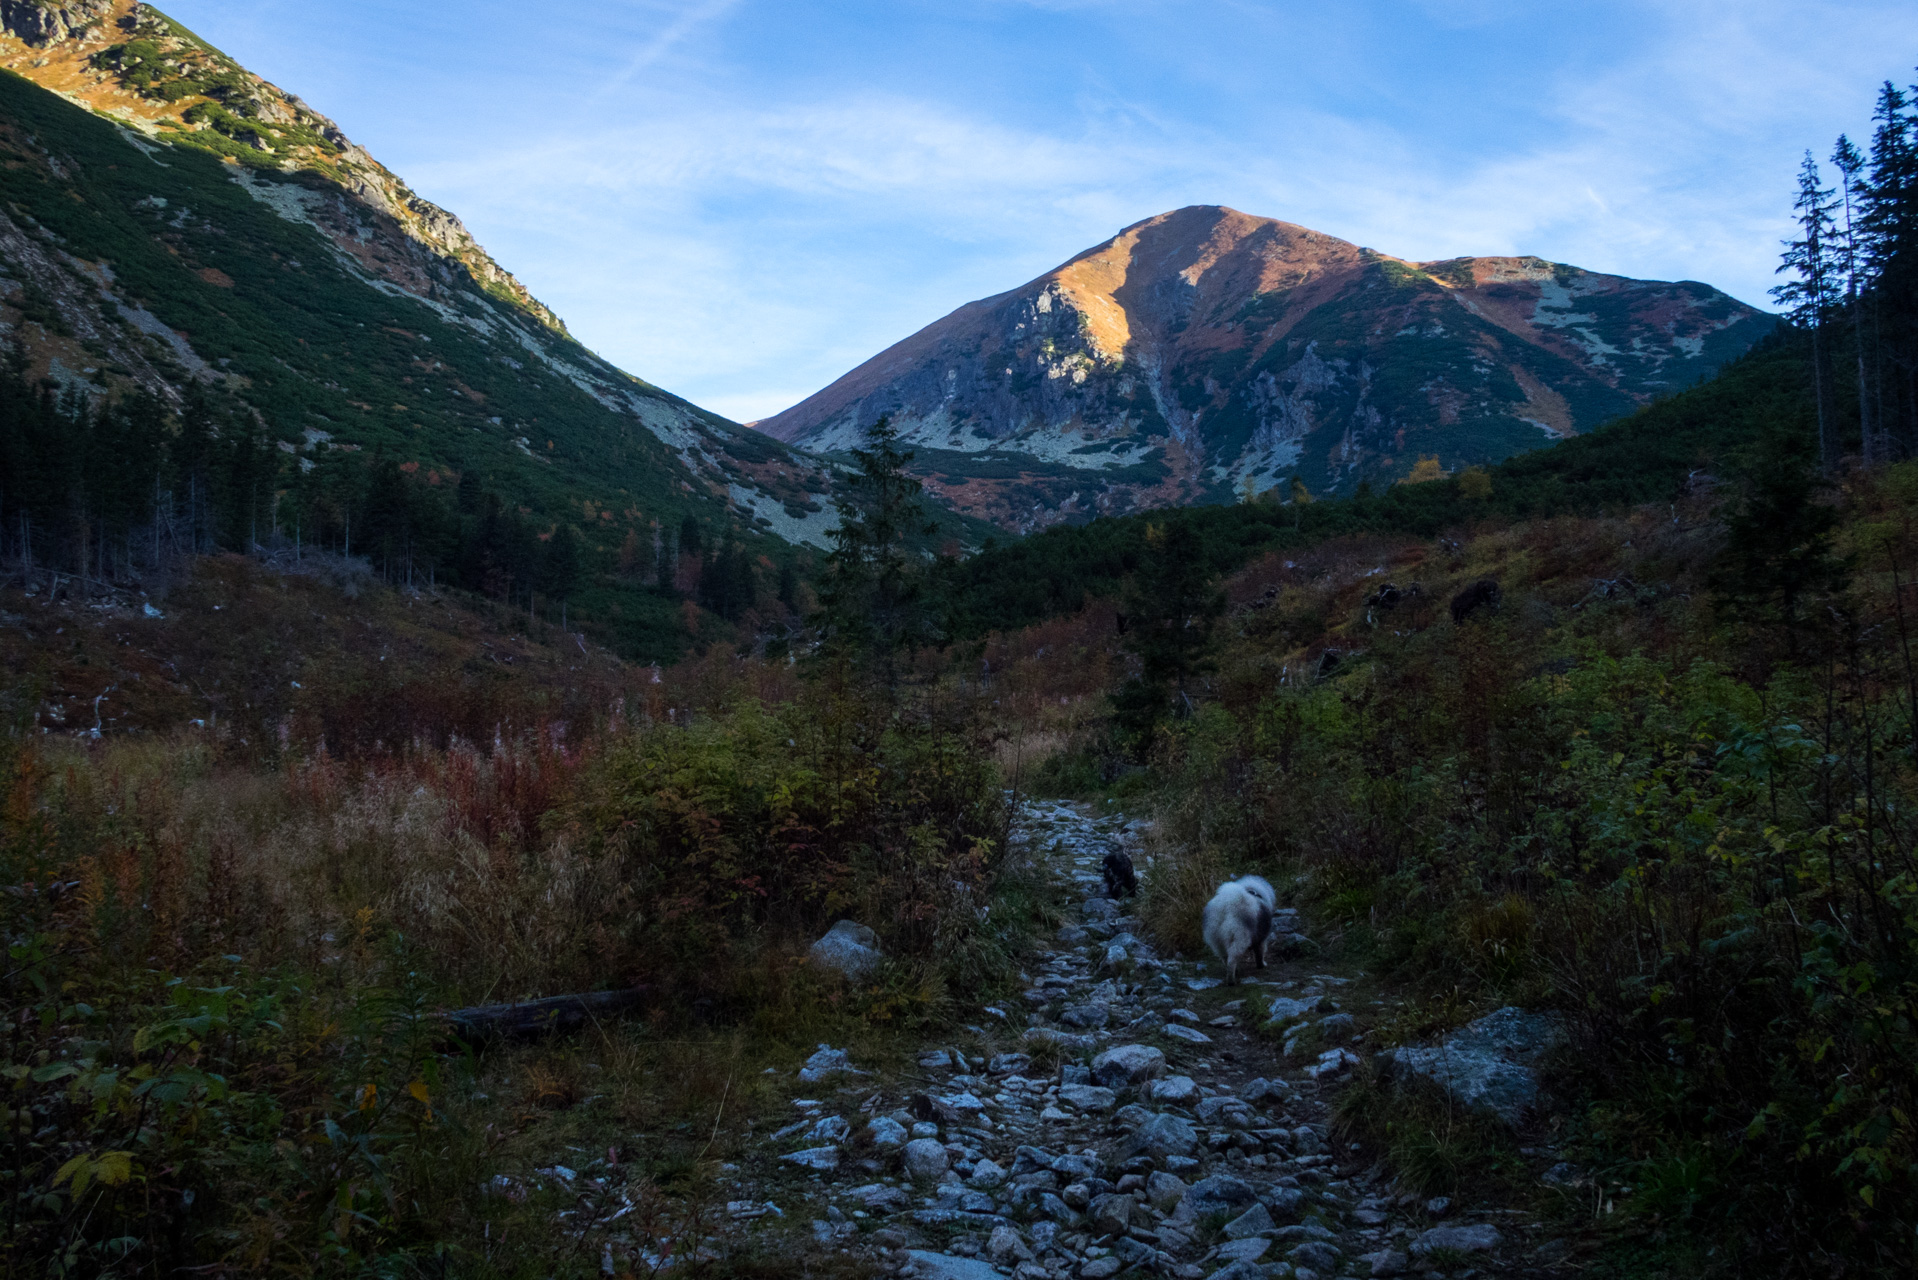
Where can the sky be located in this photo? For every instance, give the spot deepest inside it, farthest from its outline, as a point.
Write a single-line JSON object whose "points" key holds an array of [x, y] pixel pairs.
{"points": [[740, 200]]}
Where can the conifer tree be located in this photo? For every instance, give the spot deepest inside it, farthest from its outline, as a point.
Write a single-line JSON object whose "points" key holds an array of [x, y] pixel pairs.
{"points": [[873, 610], [1809, 298], [1171, 605], [1850, 265]]}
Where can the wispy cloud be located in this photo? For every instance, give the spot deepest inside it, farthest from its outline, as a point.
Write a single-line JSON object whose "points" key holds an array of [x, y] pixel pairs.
{"points": [[668, 38], [748, 197]]}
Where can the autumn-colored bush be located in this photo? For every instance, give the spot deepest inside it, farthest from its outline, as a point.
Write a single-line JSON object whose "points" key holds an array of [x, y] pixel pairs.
{"points": [[1665, 809]]}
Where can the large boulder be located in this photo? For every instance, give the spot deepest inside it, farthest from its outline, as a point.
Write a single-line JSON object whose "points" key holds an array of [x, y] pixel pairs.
{"points": [[925, 1158], [1489, 1064], [849, 949]]}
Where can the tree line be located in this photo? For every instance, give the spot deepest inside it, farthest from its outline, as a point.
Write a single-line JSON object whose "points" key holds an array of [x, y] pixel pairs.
{"points": [[1853, 286], [99, 489]]}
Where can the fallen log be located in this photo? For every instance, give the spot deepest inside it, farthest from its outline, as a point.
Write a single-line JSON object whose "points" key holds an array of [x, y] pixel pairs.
{"points": [[529, 1018]]}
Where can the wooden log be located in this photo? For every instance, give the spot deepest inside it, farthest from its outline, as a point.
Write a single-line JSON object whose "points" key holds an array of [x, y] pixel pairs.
{"points": [[531, 1018]]}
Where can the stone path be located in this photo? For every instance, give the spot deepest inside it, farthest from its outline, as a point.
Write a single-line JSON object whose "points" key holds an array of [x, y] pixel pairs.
{"points": [[1131, 1118]]}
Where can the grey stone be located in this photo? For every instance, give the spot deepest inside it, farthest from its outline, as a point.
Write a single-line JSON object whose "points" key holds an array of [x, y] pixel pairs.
{"points": [[834, 1129], [1110, 1214], [1128, 1065], [1100, 1268], [1249, 1249], [849, 949], [1241, 1271], [825, 1064], [879, 1198], [1285, 1202], [1008, 1064], [1263, 1090], [1178, 1031], [1006, 1245], [1303, 1231], [1100, 909], [1063, 1039], [1223, 1110], [1090, 1017], [986, 1175], [1089, 1097], [1116, 957], [925, 1129], [1163, 1191], [1316, 1254], [1337, 1026], [1477, 1238], [1439, 1206], [1072, 935], [1250, 1223], [1077, 1164], [818, 1159], [886, 1133], [1386, 1262], [1163, 1135], [924, 1158], [1565, 1175], [957, 1108], [1284, 1011], [1331, 1063], [1174, 1089], [1491, 1063], [1219, 1194], [925, 1265]]}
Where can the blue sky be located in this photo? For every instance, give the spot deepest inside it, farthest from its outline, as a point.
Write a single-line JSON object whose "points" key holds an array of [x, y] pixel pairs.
{"points": [[741, 199]]}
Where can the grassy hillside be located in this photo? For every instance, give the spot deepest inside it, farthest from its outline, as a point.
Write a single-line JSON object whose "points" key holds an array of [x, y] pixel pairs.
{"points": [[133, 267]]}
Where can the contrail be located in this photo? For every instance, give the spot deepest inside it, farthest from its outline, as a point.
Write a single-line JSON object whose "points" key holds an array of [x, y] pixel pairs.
{"points": [[660, 45]]}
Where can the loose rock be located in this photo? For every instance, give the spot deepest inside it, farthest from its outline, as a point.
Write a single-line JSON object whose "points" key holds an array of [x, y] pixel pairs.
{"points": [[849, 949]]}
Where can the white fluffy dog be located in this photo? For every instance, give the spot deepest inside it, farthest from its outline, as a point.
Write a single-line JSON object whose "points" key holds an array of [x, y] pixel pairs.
{"points": [[1238, 921]]}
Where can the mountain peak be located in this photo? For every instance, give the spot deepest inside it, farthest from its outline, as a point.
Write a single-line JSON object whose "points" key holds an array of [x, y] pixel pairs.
{"points": [[1206, 354]]}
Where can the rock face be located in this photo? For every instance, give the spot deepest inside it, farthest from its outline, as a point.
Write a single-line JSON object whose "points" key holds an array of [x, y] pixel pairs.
{"points": [[1491, 1063], [849, 949], [1206, 351]]}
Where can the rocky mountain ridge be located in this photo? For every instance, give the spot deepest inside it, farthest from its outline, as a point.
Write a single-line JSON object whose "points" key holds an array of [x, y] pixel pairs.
{"points": [[130, 62], [1209, 355]]}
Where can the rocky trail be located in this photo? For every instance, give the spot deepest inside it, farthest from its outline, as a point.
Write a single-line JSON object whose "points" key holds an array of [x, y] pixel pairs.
{"points": [[1136, 1117]]}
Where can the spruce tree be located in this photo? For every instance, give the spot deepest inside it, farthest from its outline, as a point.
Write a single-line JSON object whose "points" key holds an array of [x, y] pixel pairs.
{"points": [[1851, 265], [1809, 298], [873, 611], [1171, 605]]}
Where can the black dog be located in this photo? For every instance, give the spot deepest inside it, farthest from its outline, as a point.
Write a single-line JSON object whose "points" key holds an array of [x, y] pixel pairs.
{"points": [[1120, 880]]}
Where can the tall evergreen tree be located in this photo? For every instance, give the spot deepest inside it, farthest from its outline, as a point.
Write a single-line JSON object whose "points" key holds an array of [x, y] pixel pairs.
{"points": [[873, 607], [1171, 605], [1873, 449], [1810, 297]]}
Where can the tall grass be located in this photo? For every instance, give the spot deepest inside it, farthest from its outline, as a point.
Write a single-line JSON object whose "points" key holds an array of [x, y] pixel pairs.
{"points": [[221, 1047]]}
